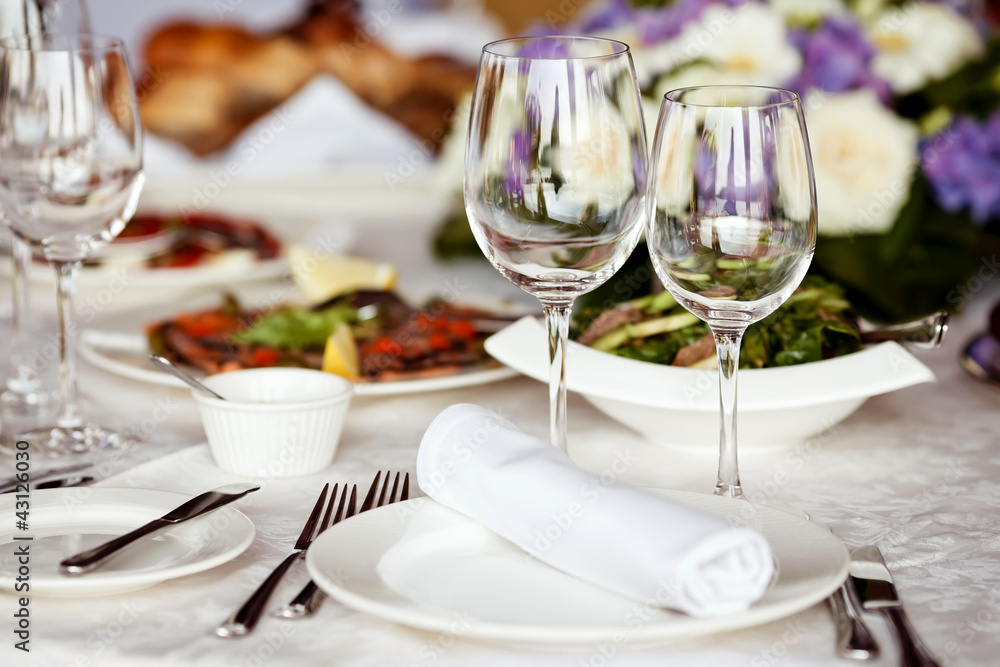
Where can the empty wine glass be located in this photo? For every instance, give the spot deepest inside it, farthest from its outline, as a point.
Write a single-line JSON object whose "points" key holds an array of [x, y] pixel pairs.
{"points": [[555, 174], [24, 396], [70, 178], [732, 219]]}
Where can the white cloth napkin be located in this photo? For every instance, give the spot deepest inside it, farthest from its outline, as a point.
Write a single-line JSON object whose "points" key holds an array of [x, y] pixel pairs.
{"points": [[624, 539]]}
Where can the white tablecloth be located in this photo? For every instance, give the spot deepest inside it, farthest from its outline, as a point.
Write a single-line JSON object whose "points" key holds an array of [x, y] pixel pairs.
{"points": [[916, 472]]}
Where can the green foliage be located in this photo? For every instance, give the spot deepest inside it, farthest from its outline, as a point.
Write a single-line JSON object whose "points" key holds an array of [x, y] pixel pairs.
{"points": [[295, 328], [908, 272], [973, 90]]}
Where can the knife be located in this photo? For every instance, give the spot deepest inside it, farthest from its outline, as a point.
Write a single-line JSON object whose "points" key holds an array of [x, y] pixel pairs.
{"points": [[10, 483], [86, 561], [877, 592], [59, 483]]}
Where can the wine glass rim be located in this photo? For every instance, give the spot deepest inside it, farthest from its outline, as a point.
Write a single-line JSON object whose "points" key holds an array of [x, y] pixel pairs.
{"points": [[76, 42], [620, 48], [792, 98]]}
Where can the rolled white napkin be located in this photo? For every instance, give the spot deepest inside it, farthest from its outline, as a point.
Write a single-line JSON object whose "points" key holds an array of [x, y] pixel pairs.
{"points": [[624, 539]]}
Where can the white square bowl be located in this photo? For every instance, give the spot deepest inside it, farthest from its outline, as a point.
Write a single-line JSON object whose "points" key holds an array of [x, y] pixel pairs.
{"points": [[778, 407]]}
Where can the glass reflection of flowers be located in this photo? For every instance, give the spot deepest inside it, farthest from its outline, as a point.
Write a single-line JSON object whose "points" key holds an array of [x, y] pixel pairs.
{"points": [[555, 174]]}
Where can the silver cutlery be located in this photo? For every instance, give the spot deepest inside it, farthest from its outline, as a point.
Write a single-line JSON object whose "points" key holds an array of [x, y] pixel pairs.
{"points": [[164, 364], [245, 619], [877, 592], [854, 639], [57, 483], [11, 483], [86, 561], [926, 333], [306, 602]]}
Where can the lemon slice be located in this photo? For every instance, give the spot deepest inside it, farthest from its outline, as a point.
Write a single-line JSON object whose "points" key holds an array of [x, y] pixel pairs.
{"points": [[340, 356], [323, 277]]}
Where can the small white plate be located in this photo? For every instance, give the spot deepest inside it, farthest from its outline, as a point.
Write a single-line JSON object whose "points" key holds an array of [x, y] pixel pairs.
{"points": [[115, 343], [515, 598], [63, 522]]}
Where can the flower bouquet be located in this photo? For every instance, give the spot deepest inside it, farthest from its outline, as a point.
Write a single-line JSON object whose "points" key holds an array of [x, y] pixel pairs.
{"points": [[902, 103]]}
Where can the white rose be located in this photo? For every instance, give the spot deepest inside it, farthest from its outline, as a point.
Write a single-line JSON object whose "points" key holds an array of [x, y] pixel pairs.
{"points": [[595, 160], [863, 158], [743, 46], [921, 42], [449, 170], [805, 11]]}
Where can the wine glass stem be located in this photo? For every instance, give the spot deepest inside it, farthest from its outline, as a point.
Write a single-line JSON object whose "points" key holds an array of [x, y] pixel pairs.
{"points": [[727, 344], [25, 378], [70, 415], [557, 321]]}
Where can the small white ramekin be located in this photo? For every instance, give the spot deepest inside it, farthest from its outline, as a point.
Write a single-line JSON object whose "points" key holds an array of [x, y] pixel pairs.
{"points": [[275, 422]]}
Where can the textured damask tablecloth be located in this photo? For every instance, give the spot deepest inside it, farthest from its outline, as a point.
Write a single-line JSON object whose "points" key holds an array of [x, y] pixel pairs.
{"points": [[916, 472]]}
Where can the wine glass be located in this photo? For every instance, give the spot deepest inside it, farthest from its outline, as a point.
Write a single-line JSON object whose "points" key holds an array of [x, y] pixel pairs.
{"points": [[70, 179], [24, 397], [732, 219], [555, 174]]}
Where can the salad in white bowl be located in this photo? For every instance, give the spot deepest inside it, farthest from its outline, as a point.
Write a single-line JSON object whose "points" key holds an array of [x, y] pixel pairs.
{"points": [[648, 364]]}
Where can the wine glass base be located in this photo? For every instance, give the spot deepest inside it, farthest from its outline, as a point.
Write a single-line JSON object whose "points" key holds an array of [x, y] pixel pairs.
{"points": [[27, 402], [59, 441], [729, 491]]}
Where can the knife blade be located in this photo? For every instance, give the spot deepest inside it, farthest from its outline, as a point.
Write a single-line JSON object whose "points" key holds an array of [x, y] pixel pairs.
{"points": [[877, 592], [10, 483], [86, 561], [59, 483]]}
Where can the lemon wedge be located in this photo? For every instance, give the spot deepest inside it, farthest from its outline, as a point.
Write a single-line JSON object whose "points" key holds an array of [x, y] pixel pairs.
{"points": [[340, 356], [323, 277]]}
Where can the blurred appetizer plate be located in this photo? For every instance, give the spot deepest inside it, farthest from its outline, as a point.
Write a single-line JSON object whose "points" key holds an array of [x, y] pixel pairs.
{"points": [[460, 570], [116, 342], [124, 267], [67, 521], [680, 406]]}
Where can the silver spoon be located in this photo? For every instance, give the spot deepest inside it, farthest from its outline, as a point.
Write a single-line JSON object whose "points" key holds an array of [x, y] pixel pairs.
{"points": [[165, 365]]}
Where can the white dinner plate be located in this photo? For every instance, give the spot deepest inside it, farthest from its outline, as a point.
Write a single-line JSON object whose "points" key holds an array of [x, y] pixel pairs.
{"points": [[515, 598], [63, 522], [116, 343]]}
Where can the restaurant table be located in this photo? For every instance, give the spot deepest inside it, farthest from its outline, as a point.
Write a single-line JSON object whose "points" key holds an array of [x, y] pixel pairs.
{"points": [[916, 472]]}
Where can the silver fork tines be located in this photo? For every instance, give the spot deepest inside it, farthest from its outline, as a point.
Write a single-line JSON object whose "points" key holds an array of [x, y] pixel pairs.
{"points": [[306, 602], [246, 617]]}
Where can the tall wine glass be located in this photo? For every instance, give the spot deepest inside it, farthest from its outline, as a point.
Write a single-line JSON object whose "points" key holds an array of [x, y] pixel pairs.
{"points": [[732, 219], [555, 174], [70, 178], [24, 396]]}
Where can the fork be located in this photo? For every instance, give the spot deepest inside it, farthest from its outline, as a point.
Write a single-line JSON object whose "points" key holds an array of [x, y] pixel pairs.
{"points": [[245, 619], [305, 603]]}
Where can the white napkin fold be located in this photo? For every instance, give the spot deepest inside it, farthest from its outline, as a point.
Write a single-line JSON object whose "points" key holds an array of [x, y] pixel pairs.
{"points": [[626, 540]]}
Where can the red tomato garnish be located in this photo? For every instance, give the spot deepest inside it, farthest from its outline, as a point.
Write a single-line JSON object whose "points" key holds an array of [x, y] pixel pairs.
{"points": [[441, 323], [265, 356], [439, 342], [385, 345], [462, 329]]}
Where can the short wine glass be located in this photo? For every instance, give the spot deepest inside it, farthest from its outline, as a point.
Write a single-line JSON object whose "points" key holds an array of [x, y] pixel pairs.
{"points": [[732, 219], [555, 174], [70, 179], [24, 398]]}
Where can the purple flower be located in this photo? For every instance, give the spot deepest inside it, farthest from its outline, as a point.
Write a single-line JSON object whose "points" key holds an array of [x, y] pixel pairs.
{"points": [[962, 164], [836, 57], [657, 25], [607, 15]]}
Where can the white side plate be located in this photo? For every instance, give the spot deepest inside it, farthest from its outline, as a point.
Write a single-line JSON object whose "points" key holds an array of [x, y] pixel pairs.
{"points": [[63, 522]]}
